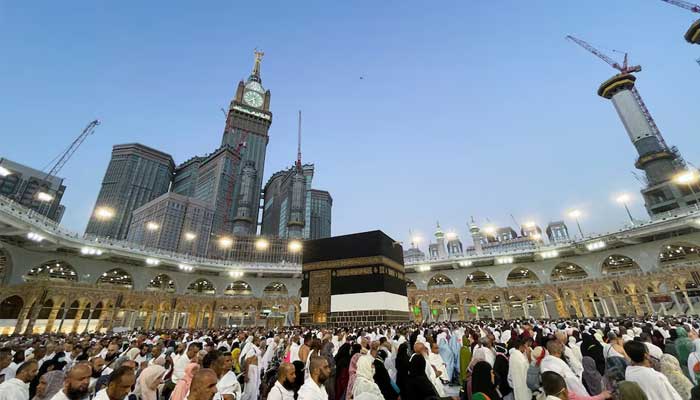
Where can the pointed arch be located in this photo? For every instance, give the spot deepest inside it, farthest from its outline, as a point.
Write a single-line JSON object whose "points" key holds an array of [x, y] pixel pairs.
{"points": [[57, 270], [566, 271], [116, 277], [11, 307], [201, 286], [440, 281], [161, 283]]}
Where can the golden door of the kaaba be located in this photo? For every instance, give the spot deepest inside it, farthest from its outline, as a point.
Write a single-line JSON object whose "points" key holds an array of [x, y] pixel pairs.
{"points": [[320, 295]]}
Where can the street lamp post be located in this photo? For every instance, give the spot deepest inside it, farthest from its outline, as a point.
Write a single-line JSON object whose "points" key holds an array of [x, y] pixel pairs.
{"points": [[575, 214], [688, 178], [624, 199]]}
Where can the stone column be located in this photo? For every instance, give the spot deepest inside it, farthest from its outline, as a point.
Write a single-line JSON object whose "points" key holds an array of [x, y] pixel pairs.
{"points": [[34, 314], [52, 317], [491, 309], [649, 304], [525, 309], [21, 317], [87, 326], [595, 307], [635, 304], [691, 309], [617, 313], [545, 312], [606, 310], [561, 308], [583, 307]]}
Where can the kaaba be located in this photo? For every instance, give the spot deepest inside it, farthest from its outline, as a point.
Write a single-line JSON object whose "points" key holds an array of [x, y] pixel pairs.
{"points": [[354, 280]]}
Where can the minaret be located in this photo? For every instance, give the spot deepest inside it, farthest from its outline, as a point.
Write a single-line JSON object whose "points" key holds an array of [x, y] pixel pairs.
{"points": [[659, 162], [440, 239], [477, 237], [295, 226]]}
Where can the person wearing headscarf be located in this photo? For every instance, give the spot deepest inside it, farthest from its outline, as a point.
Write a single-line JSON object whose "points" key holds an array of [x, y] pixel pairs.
{"points": [[592, 379], [382, 378], [49, 384], [342, 364], [590, 347], [684, 347], [630, 391], [446, 354], [465, 357], [418, 386], [670, 367], [352, 375], [483, 382], [235, 353], [402, 368], [456, 347], [183, 385], [148, 382], [364, 387], [327, 353], [694, 363]]}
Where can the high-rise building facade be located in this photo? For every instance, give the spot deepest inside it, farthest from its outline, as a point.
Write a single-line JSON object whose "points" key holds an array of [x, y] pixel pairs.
{"points": [[136, 174], [32, 188], [247, 125], [287, 201], [216, 177], [320, 214], [173, 222]]}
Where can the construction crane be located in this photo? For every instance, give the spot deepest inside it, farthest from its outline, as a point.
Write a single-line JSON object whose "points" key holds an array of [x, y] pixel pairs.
{"points": [[63, 158], [693, 33], [624, 68], [684, 4]]}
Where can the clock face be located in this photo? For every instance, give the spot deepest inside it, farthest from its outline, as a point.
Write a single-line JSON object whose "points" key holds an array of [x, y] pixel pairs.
{"points": [[253, 99], [252, 85]]}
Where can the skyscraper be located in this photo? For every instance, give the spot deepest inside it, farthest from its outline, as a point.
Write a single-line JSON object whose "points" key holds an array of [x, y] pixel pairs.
{"points": [[247, 125], [320, 214], [136, 175], [281, 210], [24, 184]]}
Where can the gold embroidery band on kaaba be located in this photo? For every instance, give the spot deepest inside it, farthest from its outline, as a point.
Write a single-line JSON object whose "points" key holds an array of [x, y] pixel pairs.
{"points": [[354, 262]]}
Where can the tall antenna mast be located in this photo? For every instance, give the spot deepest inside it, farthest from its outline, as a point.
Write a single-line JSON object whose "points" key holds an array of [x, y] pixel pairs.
{"points": [[299, 144]]}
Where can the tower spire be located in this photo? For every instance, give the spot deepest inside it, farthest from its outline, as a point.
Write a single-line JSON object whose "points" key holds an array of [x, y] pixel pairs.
{"points": [[298, 163], [256, 66]]}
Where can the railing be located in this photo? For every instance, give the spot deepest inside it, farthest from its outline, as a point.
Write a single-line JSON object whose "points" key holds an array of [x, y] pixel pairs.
{"points": [[241, 255], [624, 232]]}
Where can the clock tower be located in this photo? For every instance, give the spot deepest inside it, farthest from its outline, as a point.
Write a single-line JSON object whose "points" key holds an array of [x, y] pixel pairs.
{"points": [[247, 125]]}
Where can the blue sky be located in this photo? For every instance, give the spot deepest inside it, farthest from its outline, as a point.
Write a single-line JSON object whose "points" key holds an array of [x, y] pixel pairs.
{"points": [[467, 108]]}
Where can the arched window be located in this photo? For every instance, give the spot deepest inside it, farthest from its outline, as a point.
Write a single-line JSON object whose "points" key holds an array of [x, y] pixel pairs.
{"points": [[161, 282], [115, 277], [53, 270], [479, 279], [238, 288], [201, 286], [619, 265], [565, 271], [275, 289], [439, 281]]}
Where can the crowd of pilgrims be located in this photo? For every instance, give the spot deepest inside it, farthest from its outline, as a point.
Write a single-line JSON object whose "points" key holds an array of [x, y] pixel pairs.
{"points": [[626, 359]]}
